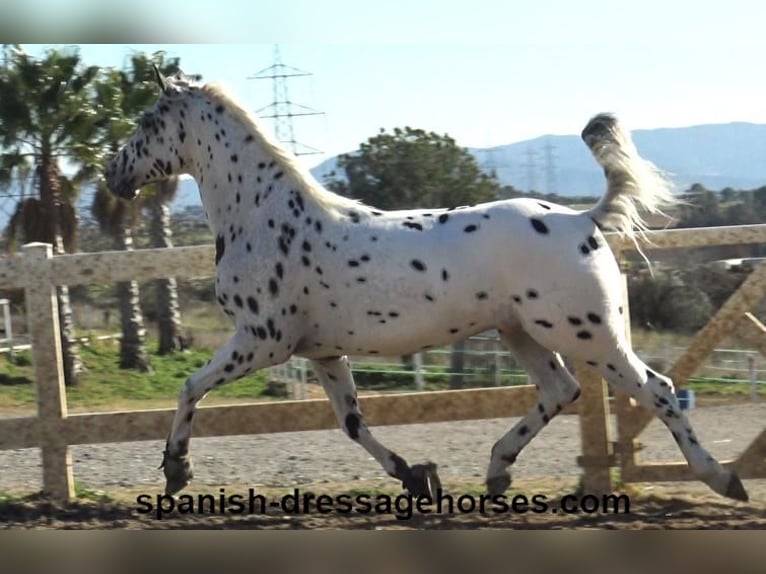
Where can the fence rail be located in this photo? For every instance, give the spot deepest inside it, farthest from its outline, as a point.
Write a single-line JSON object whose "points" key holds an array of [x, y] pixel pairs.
{"points": [[53, 430]]}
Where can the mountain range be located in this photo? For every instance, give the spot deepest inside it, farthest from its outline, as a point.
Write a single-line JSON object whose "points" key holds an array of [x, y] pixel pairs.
{"points": [[714, 155]]}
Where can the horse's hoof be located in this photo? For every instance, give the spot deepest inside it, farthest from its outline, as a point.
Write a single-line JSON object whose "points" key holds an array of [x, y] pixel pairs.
{"points": [[497, 485], [735, 489], [178, 472], [424, 480]]}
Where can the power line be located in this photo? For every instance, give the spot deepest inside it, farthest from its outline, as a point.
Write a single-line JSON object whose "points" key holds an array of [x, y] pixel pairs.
{"points": [[531, 165], [550, 167], [282, 110]]}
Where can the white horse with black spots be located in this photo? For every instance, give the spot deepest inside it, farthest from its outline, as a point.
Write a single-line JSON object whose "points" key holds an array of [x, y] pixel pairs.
{"points": [[303, 271]]}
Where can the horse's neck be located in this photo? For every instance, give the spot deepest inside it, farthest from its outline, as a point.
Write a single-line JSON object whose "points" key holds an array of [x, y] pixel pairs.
{"points": [[237, 186]]}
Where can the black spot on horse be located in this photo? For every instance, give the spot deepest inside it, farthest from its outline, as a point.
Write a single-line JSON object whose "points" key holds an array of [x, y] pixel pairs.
{"points": [[584, 249], [594, 318], [470, 228], [584, 335], [273, 287], [539, 226], [445, 275], [482, 295], [418, 265], [544, 323], [443, 218], [574, 321], [252, 304], [220, 247], [352, 423], [532, 294], [592, 242]]}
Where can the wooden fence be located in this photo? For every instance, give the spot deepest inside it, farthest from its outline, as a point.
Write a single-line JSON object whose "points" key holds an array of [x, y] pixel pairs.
{"points": [[53, 430]]}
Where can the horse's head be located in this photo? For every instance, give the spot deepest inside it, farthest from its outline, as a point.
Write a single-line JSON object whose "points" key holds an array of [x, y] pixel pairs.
{"points": [[159, 148]]}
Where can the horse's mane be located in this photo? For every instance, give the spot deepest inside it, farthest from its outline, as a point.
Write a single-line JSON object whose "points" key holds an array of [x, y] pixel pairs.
{"points": [[333, 202]]}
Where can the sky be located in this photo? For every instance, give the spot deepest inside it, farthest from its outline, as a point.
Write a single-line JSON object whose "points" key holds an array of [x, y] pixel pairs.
{"points": [[485, 72]]}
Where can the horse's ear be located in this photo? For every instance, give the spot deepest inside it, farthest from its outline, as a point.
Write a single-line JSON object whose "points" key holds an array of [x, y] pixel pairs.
{"points": [[163, 83]]}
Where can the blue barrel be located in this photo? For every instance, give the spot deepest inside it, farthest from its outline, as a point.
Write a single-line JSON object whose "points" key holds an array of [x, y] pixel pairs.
{"points": [[685, 398]]}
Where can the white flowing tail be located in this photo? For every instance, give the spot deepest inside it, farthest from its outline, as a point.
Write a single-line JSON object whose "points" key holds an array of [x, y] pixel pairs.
{"points": [[632, 182]]}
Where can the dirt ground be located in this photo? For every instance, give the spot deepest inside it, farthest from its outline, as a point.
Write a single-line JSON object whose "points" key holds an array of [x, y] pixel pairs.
{"points": [[326, 462], [651, 507]]}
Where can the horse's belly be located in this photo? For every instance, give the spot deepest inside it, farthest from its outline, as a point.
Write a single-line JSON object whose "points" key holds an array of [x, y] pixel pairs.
{"points": [[389, 334]]}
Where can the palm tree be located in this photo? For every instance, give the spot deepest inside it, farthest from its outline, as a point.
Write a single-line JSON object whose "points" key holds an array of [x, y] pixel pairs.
{"points": [[168, 317], [122, 96], [45, 117], [115, 218]]}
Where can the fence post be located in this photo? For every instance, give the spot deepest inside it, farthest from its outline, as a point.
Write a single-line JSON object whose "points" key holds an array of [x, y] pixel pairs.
{"points": [[753, 378], [595, 424], [43, 321], [596, 459], [417, 363]]}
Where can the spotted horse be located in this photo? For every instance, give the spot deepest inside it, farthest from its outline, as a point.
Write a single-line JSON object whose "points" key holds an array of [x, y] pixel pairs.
{"points": [[303, 271]]}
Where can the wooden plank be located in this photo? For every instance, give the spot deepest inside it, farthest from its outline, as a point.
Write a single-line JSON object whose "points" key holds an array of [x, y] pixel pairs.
{"points": [[692, 237], [753, 332], [754, 456], [12, 272], [678, 471], [19, 433], [198, 261], [314, 414], [139, 265]]}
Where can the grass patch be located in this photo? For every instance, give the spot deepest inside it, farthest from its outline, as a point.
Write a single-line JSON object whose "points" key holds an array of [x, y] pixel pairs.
{"points": [[105, 384], [86, 493], [718, 387]]}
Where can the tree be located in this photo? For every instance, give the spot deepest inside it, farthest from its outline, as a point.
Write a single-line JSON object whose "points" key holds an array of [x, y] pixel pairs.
{"points": [[413, 168], [666, 303], [46, 116], [703, 209], [114, 217], [122, 95], [168, 315]]}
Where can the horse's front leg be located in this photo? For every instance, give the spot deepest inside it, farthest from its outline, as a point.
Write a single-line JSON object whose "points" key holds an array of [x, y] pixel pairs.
{"points": [[239, 357], [337, 381]]}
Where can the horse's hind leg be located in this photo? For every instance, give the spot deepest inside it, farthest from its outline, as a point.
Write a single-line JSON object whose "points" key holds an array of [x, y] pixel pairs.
{"points": [[556, 388], [626, 372], [337, 381]]}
